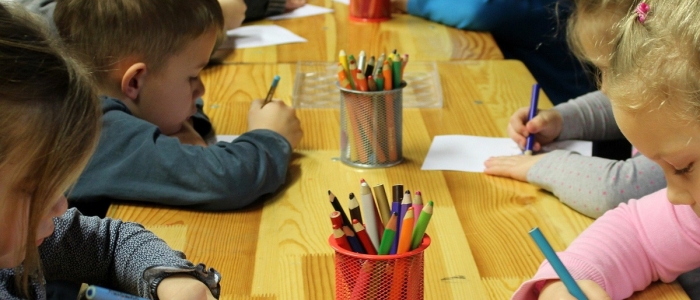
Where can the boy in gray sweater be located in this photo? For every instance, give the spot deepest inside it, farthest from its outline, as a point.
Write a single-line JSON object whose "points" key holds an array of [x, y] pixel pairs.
{"points": [[146, 56]]}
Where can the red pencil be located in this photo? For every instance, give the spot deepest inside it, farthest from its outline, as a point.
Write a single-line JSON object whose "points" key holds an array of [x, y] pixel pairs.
{"points": [[364, 238], [340, 238], [336, 219]]}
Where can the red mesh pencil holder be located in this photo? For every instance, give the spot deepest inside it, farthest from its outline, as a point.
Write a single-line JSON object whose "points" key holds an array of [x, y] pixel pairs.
{"points": [[390, 277]]}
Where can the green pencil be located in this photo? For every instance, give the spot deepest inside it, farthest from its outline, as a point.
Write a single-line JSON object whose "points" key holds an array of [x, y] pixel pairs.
{"points": [[421, 225], [389, 235], [396, 71]]}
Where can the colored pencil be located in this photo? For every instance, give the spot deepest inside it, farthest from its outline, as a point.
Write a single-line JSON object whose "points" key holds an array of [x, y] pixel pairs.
{"points": [[336, 219], [556, 263], [378, 65], [406, 232], [354, 208], [271, 92], [94, 292], [361, 61], [396, 71], [389, 234], [421, 225], [534, 98], [371, 84], [339, 208], [373, 223], [386, 71], [397, 196], [417, 204], [343, 59], [368, 71], [354, 242], [382, 203], [343, 77], [340, 238], [361, 288], [364, 237]]}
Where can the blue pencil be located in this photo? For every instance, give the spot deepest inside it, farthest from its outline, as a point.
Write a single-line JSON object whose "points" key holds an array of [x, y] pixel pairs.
{"points": [[534, 99], [271, 92], [558, 266], [94, 292]]}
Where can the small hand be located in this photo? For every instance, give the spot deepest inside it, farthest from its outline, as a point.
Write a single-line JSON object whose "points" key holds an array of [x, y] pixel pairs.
{"points": [[183, 287], [555, 289], [293, 4], [546, 127], [399, 6], [278, 117], [515, 166], [234, 13], [187, 135]]}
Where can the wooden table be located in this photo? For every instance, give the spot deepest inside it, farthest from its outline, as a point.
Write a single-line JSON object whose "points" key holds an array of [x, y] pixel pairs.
{"points": [[327, 34], [278, 249]]}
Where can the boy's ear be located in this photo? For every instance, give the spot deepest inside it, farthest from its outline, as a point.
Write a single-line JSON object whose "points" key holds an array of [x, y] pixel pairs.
{"points": [[132, 81]]}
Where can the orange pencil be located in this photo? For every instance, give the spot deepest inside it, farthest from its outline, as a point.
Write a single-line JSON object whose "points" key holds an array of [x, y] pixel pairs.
{"points": [[386, 72], [343, 78], [364, 238], [361, 82], [406, 232]]}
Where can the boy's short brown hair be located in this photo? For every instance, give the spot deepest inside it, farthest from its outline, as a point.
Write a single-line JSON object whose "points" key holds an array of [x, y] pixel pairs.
{"points": [[102, 32]]}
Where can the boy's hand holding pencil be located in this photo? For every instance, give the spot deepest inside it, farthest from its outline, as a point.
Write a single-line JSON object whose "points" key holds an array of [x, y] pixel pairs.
{"points": [[275, 116]]}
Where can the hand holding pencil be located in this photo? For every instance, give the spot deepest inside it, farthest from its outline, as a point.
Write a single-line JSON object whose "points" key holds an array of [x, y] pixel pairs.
{"points": [[546, 127], [275, 116]]}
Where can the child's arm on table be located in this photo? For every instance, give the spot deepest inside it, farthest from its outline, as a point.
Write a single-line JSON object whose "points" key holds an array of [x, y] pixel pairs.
{"points": [[134, 161], [115, 254], [590, 185], [629, 247]]}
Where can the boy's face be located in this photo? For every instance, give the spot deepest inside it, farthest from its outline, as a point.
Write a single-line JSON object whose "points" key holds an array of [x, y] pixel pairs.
{"points": [[167, 98]]}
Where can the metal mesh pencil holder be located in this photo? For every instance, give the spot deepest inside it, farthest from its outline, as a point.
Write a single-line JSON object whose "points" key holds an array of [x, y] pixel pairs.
{"points": [[379, 277], [370, 127]]}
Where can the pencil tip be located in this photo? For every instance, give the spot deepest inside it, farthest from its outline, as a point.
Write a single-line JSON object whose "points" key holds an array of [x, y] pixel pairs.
{"points": [[407, 192], [329, 192], [352, 195], [418, 193], [362, 180]]}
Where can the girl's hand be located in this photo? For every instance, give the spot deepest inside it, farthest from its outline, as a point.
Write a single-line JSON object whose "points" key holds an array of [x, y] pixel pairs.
{"points": [[183, 287], [555, 289], [546, 126], [515, 166]]}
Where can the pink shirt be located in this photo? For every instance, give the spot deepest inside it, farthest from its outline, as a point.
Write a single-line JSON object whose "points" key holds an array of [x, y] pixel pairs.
{"points": [[630, 247]]}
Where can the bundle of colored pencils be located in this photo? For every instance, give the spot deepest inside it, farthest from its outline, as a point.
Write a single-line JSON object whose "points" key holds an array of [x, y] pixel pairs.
{"points": [[382, 74], [383, 230]]}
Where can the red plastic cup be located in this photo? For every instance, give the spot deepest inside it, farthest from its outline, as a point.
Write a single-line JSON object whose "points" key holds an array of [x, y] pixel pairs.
{"points": [[370, 10], [363, 276]]}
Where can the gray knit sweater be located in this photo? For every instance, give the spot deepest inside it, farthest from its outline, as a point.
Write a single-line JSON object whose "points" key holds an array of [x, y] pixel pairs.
{"points": [[110, 253], [593, 185]]}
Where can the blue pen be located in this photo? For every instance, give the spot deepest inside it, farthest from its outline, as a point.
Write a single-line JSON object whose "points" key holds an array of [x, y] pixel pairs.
{"points": [[558, 266], [271, 92], [533, 112], [94, 292]]}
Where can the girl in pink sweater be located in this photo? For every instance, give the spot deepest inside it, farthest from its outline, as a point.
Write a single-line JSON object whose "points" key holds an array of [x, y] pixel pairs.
{"points": [[651, 72]]}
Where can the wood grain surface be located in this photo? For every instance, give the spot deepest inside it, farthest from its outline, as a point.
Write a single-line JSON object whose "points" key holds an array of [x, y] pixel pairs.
{"points": [[278, 248], [327, 34]]}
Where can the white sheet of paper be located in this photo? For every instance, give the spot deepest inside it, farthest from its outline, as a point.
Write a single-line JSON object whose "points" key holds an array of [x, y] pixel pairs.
{"points": [[263, 35], [343, 1], [226, 138], [468, 153], [304, 11]]}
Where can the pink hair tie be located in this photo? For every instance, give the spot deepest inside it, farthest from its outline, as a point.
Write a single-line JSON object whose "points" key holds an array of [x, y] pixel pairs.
{"points": [[642, 10]]}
